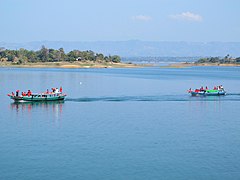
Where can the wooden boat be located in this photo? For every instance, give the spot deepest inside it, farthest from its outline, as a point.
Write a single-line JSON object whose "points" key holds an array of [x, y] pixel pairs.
{"points": [[38, 97], [210, 92]]}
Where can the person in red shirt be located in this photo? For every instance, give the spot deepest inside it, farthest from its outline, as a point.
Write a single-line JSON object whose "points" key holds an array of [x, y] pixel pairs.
{"points": [[29, 93], [197, 90]]}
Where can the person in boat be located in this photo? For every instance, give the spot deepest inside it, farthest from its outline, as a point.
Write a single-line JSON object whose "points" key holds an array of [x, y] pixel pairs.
{"points": [[17, 92], [201, 89], [61, 89], [13, 94], [197, 90], [215, 88], [29, 93], [47, 91], [57, 91], [221, 87], [206, 88]]}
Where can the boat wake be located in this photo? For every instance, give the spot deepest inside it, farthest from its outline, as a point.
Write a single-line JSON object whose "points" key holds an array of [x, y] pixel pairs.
{"points": [[228, 97], [233, 94]]}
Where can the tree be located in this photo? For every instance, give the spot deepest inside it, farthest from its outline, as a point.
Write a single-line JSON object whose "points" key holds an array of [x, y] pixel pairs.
{"points": [[99, 57], [61, 54], [237, 60], [116, 59], [31, 55], [43, 54]]}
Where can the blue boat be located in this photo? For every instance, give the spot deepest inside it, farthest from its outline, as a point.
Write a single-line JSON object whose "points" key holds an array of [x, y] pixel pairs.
{"points": [[210, 92]]}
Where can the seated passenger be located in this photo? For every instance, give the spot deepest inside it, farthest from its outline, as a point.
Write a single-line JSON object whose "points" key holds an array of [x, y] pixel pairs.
{"points": [[197, 90], [29, 93]]}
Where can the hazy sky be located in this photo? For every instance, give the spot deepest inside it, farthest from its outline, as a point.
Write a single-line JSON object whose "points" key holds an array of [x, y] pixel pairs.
{"points": [[114, 20]]}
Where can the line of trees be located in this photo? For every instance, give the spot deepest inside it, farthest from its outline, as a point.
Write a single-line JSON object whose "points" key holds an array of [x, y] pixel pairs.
{"points": [[226, 60], [52, 55]]}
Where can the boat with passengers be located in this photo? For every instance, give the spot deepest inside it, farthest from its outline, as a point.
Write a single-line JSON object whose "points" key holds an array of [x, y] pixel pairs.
{"points": [[216, 91], [54, 95]]}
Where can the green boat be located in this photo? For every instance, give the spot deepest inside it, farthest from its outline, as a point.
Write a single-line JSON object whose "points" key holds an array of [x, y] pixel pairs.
{"points": [[208, 92], [38, 97]]}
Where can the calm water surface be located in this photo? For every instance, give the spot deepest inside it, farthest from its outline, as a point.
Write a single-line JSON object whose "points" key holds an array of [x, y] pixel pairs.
{"points": [[121, 124]]}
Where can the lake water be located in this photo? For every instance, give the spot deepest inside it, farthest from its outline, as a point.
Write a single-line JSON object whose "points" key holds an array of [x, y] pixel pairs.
{"points": [[121, 124]]}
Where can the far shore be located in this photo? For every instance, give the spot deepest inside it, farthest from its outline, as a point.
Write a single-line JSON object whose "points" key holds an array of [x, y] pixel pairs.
{"points": [[191, 64], [72, 65]]}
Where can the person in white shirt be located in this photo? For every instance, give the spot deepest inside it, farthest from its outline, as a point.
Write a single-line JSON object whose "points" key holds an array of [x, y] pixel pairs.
{"points": [[57, 91]]}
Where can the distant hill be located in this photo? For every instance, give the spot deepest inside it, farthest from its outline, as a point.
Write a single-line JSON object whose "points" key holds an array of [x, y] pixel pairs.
{"points": [[135, 48]]}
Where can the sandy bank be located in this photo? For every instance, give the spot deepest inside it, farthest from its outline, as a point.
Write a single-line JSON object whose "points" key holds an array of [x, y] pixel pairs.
{"points": [[71, 65]]}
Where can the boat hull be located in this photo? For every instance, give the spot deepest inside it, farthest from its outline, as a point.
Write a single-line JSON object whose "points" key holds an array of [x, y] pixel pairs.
{"points": [[38, 98], [209, 93]]}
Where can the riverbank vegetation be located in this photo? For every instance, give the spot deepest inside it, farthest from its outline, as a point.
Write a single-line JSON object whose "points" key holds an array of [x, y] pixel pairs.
{"points": [[208, 61], [24, 56], [52, 58], [218, 60]]}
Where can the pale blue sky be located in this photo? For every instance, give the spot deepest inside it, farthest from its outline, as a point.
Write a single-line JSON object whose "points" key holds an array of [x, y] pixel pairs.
{"points": [[119, 20]]}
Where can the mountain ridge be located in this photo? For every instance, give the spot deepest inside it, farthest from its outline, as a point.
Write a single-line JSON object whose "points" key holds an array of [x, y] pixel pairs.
{"points": [[137, 48]]}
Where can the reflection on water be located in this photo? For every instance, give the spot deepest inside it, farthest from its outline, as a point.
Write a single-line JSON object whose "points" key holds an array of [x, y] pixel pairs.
{"points": [[55, 107], [131, 123]]}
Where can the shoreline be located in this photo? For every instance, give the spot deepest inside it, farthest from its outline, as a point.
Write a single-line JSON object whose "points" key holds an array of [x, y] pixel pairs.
{"points": [[192, 64], [72, 65], [89, 64]]}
